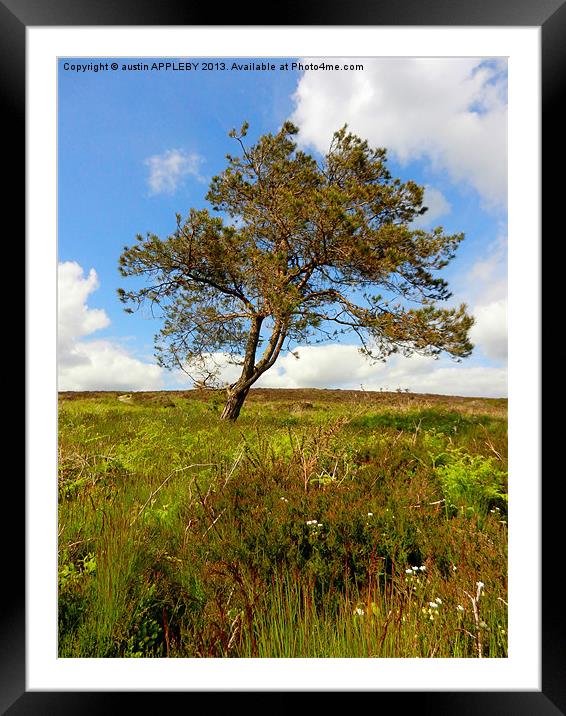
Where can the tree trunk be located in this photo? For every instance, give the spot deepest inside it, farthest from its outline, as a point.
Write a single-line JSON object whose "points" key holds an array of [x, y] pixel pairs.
{"points": [[238, 392], [236, 398]]}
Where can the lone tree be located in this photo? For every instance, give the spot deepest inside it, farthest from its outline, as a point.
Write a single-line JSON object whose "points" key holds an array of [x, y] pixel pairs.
{"points": [[300, 255]]}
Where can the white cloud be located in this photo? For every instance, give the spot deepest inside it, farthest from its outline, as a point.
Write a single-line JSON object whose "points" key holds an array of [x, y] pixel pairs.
{"points": [[485, 290], [490, 330], [166, 171], [76, 319], [450, 111], [93, 365], [342, 366], [437, 205], [214, 365], [106, 366], [487, 279]]}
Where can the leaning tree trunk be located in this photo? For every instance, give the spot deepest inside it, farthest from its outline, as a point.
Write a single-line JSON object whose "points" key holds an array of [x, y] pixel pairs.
{"points": [[237, 392], [236, 398]]}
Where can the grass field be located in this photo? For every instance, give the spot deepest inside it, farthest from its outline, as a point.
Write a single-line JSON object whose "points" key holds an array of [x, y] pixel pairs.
{"points": [[323, 523]]}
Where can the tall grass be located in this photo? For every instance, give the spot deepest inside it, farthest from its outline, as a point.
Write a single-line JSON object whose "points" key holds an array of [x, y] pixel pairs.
{"points": [[331, 525]]}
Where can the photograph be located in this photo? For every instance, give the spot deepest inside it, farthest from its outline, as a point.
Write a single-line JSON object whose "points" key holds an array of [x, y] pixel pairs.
{"points": [[283, 353], [282, 422]]}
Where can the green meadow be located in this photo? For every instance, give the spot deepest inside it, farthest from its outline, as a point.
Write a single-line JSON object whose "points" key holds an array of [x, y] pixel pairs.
{"points": [[322, 523]]}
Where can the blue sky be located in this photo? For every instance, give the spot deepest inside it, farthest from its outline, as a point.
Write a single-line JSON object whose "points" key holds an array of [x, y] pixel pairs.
{"points": [[135, 148]]}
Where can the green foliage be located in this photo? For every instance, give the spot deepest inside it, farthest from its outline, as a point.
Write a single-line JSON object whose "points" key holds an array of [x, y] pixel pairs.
{"points": [[473, 484], [145, 630], [71, 574], [74, 584], [441, 421]]}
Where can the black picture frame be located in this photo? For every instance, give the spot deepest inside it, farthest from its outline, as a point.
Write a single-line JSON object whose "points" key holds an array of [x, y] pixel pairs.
{"points": [[15, 17]]}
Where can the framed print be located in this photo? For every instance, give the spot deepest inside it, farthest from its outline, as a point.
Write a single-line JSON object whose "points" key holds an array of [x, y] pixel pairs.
{"points": [[254, 483]]}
